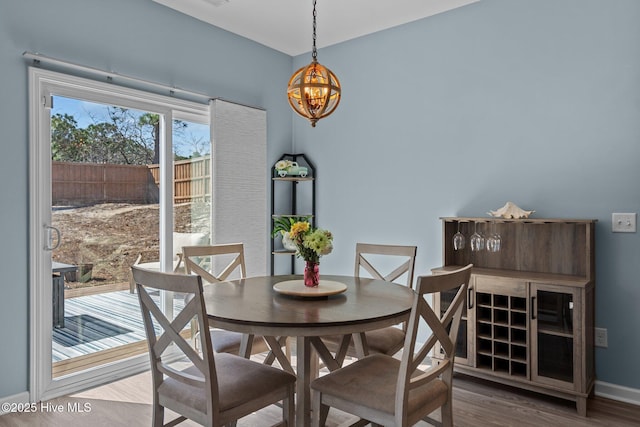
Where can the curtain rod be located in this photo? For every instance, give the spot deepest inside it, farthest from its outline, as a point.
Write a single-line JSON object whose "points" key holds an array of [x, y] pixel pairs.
{"points": [[111, 75]]}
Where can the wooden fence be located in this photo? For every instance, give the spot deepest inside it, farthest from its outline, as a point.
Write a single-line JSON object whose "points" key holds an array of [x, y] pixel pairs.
{"points": [[191, 179], [91, 183]]}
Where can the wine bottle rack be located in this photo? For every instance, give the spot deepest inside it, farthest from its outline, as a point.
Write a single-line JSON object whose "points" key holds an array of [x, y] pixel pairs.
{"points": [[501, 322]]}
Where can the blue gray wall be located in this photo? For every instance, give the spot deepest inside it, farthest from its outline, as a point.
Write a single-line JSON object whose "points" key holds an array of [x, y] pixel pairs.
{"points": [[533, 101], [134, 37], [537, 102]]}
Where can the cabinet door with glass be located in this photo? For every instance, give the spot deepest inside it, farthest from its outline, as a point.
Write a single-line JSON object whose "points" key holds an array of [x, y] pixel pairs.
{"points": [[465, 342], [555, 326]]}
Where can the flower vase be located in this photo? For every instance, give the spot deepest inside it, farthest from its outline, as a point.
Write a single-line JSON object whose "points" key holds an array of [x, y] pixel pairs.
{"points": [[311, 274]]}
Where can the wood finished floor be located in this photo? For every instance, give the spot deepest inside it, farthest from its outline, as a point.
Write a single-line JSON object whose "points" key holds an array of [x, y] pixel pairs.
{"points": [[476, 403]]}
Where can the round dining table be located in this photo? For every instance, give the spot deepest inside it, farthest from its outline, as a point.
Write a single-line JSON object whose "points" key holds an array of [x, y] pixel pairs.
{"points": [[253, 307]]}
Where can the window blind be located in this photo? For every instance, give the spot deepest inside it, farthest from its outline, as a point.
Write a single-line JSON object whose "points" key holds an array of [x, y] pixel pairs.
{"points": [[239, 193]]}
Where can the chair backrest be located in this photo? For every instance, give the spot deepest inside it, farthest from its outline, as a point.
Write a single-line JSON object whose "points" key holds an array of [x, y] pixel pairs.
{"points": [[203, 374], [367, 254], [205, 261], [444, 329]]}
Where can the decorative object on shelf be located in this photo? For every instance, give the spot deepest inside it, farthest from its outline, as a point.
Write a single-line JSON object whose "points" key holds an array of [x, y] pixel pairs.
{"points": [[287, 242], [282, 226], [287, 167], [313, 90], [311, 244], [510, 210]]}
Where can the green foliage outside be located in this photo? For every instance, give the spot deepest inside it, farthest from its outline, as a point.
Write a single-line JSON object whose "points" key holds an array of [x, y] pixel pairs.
{"points": [[125, 138]]}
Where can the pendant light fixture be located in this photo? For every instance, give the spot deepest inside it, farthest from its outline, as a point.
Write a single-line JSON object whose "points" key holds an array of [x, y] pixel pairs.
{"points": [[314, 91]]}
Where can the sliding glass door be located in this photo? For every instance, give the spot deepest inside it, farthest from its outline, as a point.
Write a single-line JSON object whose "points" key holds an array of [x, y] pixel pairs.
{"points": [[119, 177]]}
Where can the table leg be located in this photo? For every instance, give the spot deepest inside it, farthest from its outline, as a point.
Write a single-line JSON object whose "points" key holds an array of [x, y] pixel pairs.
{"points": [[276, 353], [246, 344], [303, 391], [360, 342]]}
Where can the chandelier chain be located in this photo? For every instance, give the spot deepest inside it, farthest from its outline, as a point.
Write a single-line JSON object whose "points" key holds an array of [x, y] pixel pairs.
{"points": [[314, 53]]}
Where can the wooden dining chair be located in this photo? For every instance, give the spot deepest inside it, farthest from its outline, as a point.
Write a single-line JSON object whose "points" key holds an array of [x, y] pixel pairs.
{"points": [[217, 263], [208, 388], [179, 240], [386, 391], [400, 260]]}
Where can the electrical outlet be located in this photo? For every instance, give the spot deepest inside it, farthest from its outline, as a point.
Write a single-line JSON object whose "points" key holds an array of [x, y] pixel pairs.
{"points": [[623, 222], [601, 337]]}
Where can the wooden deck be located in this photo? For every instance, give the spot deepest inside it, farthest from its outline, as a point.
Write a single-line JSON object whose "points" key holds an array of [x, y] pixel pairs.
{"points": [[99, 328]]}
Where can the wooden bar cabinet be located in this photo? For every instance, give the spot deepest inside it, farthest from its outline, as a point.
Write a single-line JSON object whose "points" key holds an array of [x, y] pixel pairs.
{"points": [[529, 317]]}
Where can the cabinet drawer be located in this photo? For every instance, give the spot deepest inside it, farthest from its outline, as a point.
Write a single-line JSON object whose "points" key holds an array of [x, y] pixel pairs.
{"points": [[500, 285]]}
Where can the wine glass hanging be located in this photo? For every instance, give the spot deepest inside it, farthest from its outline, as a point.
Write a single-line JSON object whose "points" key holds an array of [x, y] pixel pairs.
{"points": [[494, 241], [477, 239], [478, 242], [459, 240]]}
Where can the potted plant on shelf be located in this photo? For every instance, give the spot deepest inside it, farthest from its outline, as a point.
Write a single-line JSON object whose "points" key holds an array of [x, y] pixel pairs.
{"points": [[282, 225]]}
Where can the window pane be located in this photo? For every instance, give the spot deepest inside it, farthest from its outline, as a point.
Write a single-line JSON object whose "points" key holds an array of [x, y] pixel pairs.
{"points": [[192, 188]]}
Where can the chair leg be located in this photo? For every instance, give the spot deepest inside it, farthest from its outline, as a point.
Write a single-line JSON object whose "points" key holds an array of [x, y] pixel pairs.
{"points": [[446, 414], [319, 412], [158, 416], [316, 397], [289, 407], [324, 413]]}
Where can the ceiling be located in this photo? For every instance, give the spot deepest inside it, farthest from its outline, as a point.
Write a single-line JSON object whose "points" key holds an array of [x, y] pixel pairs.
{"points": [[286, 25]]}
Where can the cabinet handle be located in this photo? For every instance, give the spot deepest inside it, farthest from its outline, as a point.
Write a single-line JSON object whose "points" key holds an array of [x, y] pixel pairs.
{"points": [[470, 299], [533, 307]]}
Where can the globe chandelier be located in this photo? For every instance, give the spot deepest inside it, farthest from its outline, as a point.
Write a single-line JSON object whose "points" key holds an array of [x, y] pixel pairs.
{"points": [[313, 90]]}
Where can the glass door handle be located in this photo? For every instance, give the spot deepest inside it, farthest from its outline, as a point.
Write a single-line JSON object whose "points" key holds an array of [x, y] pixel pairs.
{"points": [[51, 231]]}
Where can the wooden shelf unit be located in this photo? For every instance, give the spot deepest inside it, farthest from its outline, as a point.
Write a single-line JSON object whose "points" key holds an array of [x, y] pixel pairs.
{"points": [[529, 317]]}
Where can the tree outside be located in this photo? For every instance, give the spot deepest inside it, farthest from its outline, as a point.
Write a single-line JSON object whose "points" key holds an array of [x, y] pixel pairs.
{"points": [[121, 136]]}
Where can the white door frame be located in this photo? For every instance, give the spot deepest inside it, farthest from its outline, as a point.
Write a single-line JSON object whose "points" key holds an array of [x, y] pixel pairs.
{"points": [[43, 84]]}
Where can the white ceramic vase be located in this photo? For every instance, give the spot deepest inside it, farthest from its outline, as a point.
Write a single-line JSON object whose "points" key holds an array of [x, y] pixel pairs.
{"points": [[287, 242]]}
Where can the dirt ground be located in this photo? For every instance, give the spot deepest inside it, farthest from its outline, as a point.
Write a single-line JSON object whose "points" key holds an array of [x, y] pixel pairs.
{"points": [[111, 236]]}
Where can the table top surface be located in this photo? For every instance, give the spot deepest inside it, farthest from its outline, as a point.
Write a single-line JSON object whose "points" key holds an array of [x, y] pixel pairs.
{"points": [[253, 301]]}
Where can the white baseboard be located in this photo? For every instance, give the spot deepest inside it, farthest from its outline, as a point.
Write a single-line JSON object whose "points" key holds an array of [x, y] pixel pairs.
{"points": [[617, 392], [20, 398]]}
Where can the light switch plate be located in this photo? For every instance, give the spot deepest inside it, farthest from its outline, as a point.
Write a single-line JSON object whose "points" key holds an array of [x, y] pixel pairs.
{"points": [[623, 222]]}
